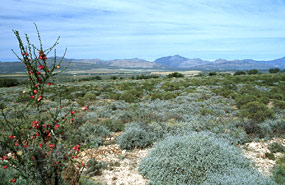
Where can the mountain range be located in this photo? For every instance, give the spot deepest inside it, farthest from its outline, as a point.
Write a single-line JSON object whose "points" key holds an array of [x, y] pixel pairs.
{"points": [[176, 62]]}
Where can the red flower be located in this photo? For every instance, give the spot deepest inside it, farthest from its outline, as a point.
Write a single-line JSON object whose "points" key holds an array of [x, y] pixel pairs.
{"points": [[5, 167], [41, 67], [77, 148], [49, 84], [40, 98], [16, 144], [35, 91], [57, 125], [13, 180], [30, 72], [4, 158], [37, 134], [41, 145], [32, 97], [39, 73], [36, 85], [26, 54], [12, 137], [51, 145], [40, 52], [26, 146], [72, 112]]}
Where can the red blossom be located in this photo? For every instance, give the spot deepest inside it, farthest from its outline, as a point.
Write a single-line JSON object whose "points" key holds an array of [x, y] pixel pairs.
{"points": [[41, 145], [36, 85], [12, 137], [5, 167], [41, 67], [72, 112], [51, 145], [39, 73], [30, 72], [26, 54], [16, 144], [13, 180], [35, 91], [49, 84], [77, 148], [37, 134], [32, 97], [26, 146], [4, 158]]}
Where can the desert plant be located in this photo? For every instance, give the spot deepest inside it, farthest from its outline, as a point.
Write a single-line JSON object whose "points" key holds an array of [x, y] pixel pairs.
{"points": [[238, 176], [34, 142], [256, 111], [279, 171], [190, 159], [135, 137], [276, 147]]}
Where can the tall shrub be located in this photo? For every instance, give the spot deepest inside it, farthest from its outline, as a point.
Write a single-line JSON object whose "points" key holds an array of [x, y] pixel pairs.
{"points": [[33, 140]]}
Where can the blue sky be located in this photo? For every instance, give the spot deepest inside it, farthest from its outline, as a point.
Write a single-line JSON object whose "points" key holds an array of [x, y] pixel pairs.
{"points": [[110, 29]]}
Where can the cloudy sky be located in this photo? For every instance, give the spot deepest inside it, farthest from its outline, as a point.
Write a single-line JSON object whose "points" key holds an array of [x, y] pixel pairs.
{"points": [[109, 29]]}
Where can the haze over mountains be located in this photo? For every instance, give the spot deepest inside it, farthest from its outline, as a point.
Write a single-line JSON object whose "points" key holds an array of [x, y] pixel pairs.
{"points": [[170, 62]]}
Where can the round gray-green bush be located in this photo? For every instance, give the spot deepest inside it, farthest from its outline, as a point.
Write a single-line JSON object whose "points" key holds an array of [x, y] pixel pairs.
{"points": [[189, 159], [135, 137], [239, 176]]}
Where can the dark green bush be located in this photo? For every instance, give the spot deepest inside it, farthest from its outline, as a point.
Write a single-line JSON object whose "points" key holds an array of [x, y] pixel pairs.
{"points": [[279, 171], [252, 72], [175, 74], [274, 70], [190, 159], [135, 137], [270, 156], [244, 99], [279, 104], [276, 147], [239, 73], [212, 74], [256, 111], [7, 82]]}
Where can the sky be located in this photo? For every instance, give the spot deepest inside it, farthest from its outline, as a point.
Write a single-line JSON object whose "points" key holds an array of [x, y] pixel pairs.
{"points": [[148, 29]]}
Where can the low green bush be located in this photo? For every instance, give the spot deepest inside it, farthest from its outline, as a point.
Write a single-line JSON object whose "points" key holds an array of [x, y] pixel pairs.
{"points": [[276, 147], [92, 134], [189, 159], [256, 111], [279, 171], [113, 125], [244, 99], [135, 137]]}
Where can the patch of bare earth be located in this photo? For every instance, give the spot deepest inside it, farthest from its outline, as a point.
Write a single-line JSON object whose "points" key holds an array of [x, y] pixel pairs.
{"points": [[256, 152], [122, 164]]}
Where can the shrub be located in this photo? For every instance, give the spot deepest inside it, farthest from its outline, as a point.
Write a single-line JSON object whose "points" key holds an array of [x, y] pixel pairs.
{"points": [[238, 176], [36, 146], [279, 104], [212, 74], [270, 156], [7, 82], [239, 73], [276, 147], [135, 137], [244, 99], [175, 74], [92, 134], [274, 70], [189, 159], [113, 125], [279, 171], [252, 72], [256, 111]]}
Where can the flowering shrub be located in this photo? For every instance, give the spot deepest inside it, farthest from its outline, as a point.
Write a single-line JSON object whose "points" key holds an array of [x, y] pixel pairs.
{"points": [[35, 145]]}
